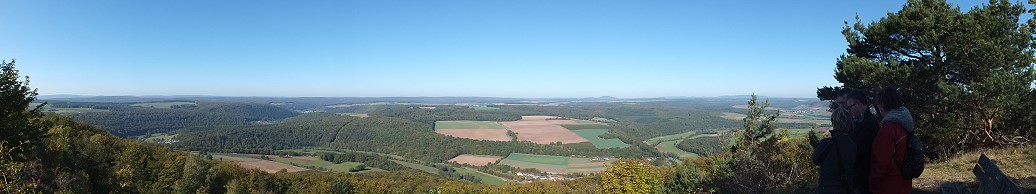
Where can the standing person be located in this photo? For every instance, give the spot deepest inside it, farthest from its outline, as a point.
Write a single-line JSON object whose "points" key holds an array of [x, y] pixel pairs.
{"points": [[864, 128], [836, 156], [889, 147]]}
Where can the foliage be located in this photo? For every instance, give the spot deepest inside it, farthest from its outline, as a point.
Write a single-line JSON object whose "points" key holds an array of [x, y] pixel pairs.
{"points": [[700, 175], [12, 173], [764, 160], [372, 160], [1032, 154], [17, 119], [631, 176], [964, 75], [706, 145]]}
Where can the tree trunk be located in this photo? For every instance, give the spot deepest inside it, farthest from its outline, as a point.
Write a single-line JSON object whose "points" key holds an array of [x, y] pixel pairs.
{"points": [[989, 131]]}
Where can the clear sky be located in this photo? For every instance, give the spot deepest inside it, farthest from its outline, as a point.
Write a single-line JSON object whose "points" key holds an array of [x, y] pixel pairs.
{"points": [[506, 48]]}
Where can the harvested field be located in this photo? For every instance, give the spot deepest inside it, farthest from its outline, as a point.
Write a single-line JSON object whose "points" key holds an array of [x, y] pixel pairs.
{"points": [[301, 159], [480, 130], [534, 118], [475, 160], [251, 161], [467, 125], [536, 129], [479, 134], [538, 132], [270, 166]]}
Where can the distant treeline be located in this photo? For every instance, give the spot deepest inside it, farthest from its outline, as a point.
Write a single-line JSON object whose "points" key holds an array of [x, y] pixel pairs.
{"points": [[125, 120]]}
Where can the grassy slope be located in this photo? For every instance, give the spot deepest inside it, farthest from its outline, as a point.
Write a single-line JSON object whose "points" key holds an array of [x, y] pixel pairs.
{"points": [[674, 137], [1014, 162], [542, 159], [486, 179], [670, 147], [343, 167], [418, 167], [593, 136]]}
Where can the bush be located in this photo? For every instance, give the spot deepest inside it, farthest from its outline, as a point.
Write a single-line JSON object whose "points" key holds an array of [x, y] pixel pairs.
{"points": [[700, 175]]}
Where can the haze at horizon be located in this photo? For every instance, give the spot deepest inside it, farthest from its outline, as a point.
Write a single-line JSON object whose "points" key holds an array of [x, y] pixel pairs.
{"points": [[446, 48]]}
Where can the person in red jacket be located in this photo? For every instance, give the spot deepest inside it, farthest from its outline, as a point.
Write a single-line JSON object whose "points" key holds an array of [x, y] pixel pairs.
{"points": [[889, 146]]}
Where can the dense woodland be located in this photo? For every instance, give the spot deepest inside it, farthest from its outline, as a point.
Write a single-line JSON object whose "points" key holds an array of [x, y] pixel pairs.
{"points": [[125, 120]]}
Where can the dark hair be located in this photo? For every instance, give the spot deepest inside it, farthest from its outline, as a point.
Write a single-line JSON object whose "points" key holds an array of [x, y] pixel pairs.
{"points": [[889, 98], [858, 95]]}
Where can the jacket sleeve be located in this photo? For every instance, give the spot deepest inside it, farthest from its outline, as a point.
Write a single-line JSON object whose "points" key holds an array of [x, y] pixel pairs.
{"points": [[818, 152], [882, 150]]}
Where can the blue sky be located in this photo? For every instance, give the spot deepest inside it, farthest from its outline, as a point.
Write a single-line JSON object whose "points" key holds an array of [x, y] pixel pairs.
{"points": [[512, 48]]}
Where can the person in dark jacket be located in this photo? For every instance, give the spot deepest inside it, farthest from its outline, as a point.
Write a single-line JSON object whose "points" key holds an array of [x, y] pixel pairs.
{"points": [[865, 127], [889, 147], [836, 156]]}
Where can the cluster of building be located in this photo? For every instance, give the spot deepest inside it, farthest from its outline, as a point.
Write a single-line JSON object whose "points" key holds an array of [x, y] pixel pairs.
{"points": [[600, 159], [529, 177], [166, 141]]}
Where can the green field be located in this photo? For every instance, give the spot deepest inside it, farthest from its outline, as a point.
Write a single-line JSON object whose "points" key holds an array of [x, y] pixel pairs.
{"points": [[313, 150], [343, 167], [162, 104], [232, 157], [670, 147], [468, 125], [668, 143], [557, 164], [593, 136], [540, 159], [156, 137], [782, 119], [674, 137], [486, 179], [428, 169]]}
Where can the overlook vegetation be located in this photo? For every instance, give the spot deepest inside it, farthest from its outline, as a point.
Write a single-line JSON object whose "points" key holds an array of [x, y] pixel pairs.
{"points": [[967, 76]]}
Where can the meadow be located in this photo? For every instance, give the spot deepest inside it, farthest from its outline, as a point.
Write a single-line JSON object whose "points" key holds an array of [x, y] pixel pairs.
{"points": [[594, 136], [554, 164]]}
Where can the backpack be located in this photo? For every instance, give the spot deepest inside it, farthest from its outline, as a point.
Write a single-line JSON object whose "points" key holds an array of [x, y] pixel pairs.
{"points": [[913, 161]]}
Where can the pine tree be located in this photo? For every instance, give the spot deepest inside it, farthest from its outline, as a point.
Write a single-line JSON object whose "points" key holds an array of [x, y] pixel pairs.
{"points": [[964, 75], [17, 118]]}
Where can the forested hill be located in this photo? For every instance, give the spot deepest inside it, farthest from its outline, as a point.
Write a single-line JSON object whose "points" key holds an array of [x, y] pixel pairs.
{"points": [[376, 134], [81, 158], [123, 119]]}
